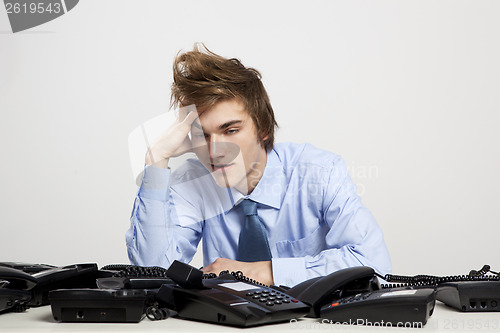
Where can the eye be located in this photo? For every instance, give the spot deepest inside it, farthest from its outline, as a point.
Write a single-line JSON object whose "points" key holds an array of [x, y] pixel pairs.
{"points": [[232, 131]]}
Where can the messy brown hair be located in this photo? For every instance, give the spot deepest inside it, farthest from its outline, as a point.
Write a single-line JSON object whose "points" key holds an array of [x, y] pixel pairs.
{"points": [[204, 78]]}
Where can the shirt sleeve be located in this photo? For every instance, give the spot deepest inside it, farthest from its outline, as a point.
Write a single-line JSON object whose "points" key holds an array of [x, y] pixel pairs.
{"points": [[156, 236], [353, 237]]}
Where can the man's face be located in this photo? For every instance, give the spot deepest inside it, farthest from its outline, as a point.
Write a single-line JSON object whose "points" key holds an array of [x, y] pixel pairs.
{"points": [[225, 140]]}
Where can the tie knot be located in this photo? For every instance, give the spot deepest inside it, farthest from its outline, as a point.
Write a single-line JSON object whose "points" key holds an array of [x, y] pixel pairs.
{"points": [[249, 207]]}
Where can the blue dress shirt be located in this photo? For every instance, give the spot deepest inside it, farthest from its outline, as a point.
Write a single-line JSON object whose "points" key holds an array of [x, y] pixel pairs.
{"points": [[314, 219]]}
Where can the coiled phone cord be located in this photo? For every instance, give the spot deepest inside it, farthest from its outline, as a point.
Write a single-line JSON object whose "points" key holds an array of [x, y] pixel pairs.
{"points": [[433, 281], [136, 271], [238, 275], [156, 271]]}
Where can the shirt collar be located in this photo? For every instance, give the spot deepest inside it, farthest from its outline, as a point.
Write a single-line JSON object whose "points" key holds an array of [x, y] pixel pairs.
{"points": [[270, 189]]}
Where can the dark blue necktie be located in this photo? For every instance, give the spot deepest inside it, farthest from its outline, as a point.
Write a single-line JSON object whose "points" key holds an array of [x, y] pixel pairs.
{"points": [[253, 243]]}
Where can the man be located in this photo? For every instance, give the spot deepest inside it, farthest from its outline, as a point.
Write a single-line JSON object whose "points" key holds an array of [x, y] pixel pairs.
{"points": [[280, 213]]}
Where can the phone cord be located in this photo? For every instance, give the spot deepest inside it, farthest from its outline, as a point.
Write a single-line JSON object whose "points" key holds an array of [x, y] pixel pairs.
{"points": [[238, 275], [433, 281]]}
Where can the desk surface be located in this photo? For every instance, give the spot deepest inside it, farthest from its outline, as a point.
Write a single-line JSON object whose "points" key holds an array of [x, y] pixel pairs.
{"points": [[444, 319]]}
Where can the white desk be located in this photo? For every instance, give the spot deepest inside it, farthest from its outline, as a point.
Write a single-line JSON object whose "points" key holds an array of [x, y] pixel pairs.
{"points": [[444, 319]]}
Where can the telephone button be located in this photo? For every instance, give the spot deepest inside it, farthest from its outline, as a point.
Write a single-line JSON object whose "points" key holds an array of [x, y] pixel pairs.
{"points": [[250, 294], [286, 301], [279, 297], [265, 294], [258, 292], [269, 303], [263, 300], [277, 302], [294, 300], [271, 298], [256, 296]]}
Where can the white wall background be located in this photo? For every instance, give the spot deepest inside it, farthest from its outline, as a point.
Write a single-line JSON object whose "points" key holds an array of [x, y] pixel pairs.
{"points": [[406, 91]]}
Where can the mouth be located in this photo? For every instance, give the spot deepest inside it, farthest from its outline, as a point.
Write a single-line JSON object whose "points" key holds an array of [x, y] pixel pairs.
{"points": [[220, 167]]}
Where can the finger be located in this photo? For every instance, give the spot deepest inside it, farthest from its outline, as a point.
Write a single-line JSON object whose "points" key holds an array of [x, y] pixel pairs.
{"points": [[185, 147], [207, 269], [190, 118], [186, 110]]}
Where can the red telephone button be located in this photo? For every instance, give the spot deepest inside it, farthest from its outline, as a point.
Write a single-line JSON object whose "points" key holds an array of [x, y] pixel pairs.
{"points": [[295, 301], [335, 304]]}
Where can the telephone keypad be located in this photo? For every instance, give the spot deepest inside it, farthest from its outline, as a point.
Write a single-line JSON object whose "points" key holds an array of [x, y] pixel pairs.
{"points": [[270, 297]]}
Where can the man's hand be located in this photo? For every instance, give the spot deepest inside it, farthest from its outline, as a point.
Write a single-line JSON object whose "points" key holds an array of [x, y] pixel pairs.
{"points": [[174, 141], [260, 271]]}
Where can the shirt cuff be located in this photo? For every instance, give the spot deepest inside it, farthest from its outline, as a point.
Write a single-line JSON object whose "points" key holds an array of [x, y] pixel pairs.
{"points": [[289, 271], [155, 184]]}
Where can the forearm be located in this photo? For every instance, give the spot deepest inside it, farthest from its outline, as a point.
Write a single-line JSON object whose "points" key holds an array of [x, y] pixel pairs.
{"points": [[148, 237], [153, 238], [291, 271]]}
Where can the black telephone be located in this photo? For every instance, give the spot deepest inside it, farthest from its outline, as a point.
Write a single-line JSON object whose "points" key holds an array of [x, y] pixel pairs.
{"points": [[229, 299], [478, 291], [354, 295], [124, 294], [28, 285]]}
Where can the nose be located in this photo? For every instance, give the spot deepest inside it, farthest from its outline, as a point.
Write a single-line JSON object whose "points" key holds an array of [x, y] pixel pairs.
{"points": [[216, 147]]}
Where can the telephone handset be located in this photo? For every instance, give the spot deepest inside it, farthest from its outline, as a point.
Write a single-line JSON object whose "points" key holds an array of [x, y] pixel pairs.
{"points": [[226, 299], [26, 267], [346, 282], [15, 288], [11, 278]]}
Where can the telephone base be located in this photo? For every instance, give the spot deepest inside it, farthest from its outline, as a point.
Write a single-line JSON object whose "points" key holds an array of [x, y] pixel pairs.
{"points": [[99, 305], [471, 296], [390, 307]]}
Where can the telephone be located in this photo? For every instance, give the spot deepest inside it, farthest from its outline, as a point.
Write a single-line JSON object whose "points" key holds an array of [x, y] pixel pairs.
{"points": [[478, 291], [354, 295], [28, 285], [229, 299], [470, 296], [124, 293]]}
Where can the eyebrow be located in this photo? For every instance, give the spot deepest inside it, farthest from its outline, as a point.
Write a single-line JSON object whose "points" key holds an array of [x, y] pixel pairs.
{"points": [[229, 124], [222, 126]]}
